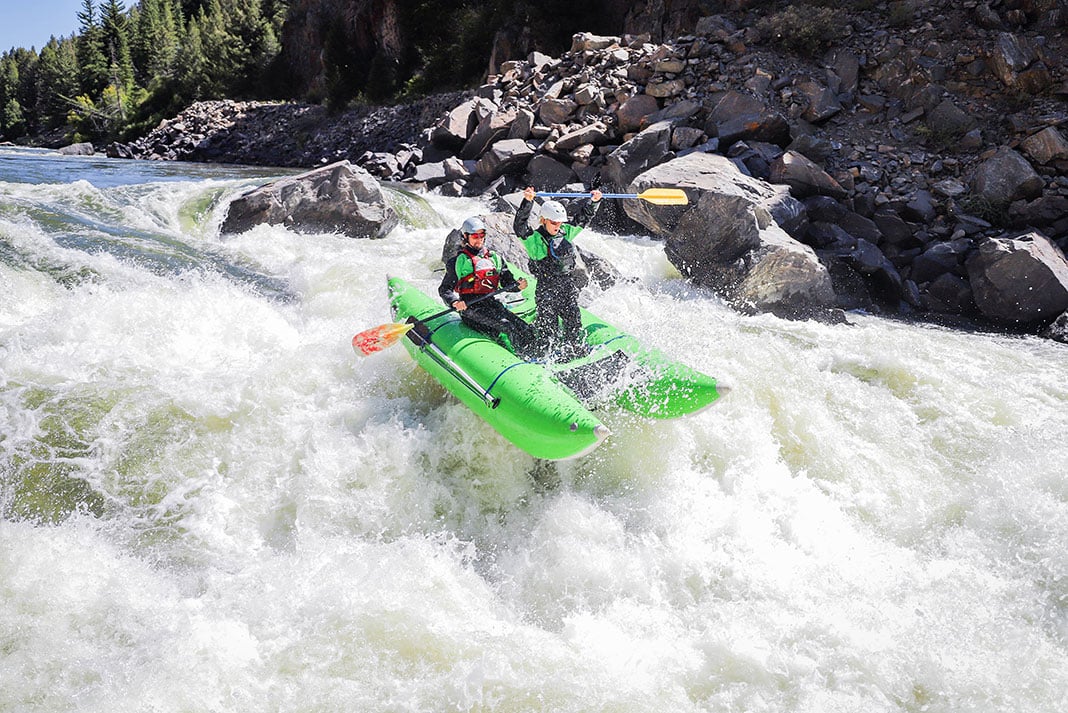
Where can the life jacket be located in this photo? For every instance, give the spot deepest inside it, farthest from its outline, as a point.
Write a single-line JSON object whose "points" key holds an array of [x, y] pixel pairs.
{"points": [[559, 261], [484, 277]]}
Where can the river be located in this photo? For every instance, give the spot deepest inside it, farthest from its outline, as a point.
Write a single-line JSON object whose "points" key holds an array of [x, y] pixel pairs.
{"points": [[209, 503]]}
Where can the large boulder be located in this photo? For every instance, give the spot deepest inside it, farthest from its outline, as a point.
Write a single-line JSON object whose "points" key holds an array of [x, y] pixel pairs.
{"points": [[634, 110], [1058, 330], [647, 149], [731, 245], [1019, 280], [492, 127], [785, 278], [728, 238], [698, 173], [455, 127], [80, 149], [504, 157], [1016, 61], [739, 116], [339, 198], [1046, 146], [1005, 177]]}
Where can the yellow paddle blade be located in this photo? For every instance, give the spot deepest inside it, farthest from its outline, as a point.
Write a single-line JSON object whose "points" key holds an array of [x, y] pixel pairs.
{"points": [[378, 338], [664, 196]]}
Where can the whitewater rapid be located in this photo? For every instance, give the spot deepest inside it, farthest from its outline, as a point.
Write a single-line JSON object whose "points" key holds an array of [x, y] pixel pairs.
{"points": [[209, 503]]}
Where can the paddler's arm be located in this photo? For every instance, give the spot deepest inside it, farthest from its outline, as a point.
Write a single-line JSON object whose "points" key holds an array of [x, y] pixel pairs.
{"points": [[521, 224], [533, 243], [447, 288], [508, 282], [588, 210]]}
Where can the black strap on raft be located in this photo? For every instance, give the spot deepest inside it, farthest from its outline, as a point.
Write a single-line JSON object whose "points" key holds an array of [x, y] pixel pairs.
{"points": [[420, 335]]}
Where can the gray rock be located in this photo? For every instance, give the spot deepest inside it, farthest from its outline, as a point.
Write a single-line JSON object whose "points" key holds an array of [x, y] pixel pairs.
{"points": [[454, 128], [804, 177], [633, 111], [491, 127], [548, 174], [646, 150], [948, 294], [739, 116], [1020, 280], [948, 120], [1006, 176], [1058, 330], [339, 198], [596, 134], [728, 240], [1046, 146], [507, 156], [80, 149]]}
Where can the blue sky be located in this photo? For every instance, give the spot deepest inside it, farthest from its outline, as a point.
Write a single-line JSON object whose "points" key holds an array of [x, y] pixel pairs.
{"points": [[29, 23]]}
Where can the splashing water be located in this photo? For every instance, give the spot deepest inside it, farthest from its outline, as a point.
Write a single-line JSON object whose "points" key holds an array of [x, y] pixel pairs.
{"points": [[209, 503]]}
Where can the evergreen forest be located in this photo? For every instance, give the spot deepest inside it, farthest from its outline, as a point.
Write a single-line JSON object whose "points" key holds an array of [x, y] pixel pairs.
{"points": [[126, 69]]}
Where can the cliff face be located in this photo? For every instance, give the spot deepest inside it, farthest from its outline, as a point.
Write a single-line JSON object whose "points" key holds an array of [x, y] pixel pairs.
{"points": [[338, 48], [331, 42], [665, 19]]}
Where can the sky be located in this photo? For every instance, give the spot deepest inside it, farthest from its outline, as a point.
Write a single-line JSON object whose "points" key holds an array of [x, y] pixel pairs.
{"points": [[29, 23]]}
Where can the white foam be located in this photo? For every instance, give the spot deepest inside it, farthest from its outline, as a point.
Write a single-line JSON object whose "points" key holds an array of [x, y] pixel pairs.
{"points": [[874, 518]]}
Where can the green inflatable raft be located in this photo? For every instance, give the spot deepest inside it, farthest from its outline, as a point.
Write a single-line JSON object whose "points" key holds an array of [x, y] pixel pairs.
{"points": [[546, 408]]}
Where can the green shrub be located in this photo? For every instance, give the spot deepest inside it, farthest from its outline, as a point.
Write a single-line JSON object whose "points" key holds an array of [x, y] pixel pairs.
{"points": [[993, 212], [939, 139], [900, 13]]}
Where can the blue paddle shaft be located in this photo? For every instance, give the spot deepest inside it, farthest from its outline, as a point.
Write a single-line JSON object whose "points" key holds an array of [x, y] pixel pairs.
{"points": [[585, 195]]}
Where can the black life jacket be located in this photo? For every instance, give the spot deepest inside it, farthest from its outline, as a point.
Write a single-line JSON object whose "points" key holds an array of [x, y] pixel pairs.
{"points": [[560, 260]]}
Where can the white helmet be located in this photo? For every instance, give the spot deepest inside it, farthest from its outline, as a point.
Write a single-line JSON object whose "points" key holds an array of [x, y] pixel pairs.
{"points": [[473, 225], [552, 210]]}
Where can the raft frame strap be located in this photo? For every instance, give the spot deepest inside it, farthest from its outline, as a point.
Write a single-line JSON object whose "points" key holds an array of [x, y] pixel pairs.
{"points": [[434, 352], [503, 372]]}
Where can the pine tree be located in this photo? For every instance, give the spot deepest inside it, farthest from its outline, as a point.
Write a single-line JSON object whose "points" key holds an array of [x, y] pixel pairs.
{"points": [[274, 12], [12, 123], [57, 81], [117, 45], [218, 46], [25, 86], [192, 66], [92, 62], [155, 40], [144, 21], [253, 43]]}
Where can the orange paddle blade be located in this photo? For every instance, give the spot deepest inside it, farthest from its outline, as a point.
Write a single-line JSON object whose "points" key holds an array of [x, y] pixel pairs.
{"points": [[378, 338]]}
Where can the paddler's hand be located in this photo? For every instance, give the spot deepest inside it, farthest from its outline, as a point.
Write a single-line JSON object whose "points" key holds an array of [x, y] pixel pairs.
{"points": [[596, 195], [522, 283], [528, 193], [459, 305]]}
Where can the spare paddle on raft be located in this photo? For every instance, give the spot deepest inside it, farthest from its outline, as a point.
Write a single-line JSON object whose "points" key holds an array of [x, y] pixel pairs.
{"points": [[657, 196], [384, 336]]}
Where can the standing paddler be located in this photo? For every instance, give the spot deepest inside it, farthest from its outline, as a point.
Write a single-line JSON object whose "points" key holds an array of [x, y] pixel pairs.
{"points": [[558, 324]]}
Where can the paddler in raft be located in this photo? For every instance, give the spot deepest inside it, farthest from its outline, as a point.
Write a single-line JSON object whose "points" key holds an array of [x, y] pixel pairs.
{"points": [[558, 324], [476, 271]]}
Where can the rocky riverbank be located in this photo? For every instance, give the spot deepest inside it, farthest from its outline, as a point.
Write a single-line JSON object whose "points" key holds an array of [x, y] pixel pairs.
{"points": [[926, 163], [286, 134]]}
